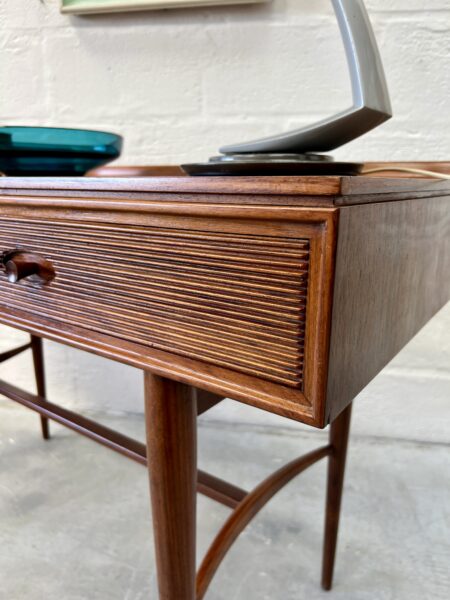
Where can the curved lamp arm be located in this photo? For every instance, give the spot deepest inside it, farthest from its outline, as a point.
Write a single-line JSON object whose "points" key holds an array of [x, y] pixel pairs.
{"points": [[371, 104]]}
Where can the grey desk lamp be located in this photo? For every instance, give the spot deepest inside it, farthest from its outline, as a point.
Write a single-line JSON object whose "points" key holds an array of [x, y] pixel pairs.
{"points": [[295, 151]]}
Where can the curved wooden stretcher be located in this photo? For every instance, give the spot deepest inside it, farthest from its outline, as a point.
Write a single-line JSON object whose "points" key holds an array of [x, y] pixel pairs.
{"points": [[245, 505]]}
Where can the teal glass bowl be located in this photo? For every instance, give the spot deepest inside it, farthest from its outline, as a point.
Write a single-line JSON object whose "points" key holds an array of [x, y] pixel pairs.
{"points": [[53, 151]]}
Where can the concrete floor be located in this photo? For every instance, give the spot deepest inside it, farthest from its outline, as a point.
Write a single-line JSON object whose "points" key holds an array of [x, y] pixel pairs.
{"points": [[74, 517]]}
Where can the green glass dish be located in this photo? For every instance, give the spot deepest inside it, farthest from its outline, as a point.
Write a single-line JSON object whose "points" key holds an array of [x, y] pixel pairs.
{"points": [[54, 151]]}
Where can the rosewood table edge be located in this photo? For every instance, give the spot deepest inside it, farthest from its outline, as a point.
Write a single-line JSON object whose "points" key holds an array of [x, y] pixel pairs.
{"points": [[320, 186], [61, 207]]}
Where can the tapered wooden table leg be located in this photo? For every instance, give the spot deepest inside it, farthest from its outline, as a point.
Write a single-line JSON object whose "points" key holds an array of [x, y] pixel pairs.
{"points": [[339, 433], [38, 362], [171, 421]]}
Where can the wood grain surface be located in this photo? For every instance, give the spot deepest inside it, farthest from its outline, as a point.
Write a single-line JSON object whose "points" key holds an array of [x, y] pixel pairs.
{"points": [[312, 186], [219, 297], [392, 276], [171, 427], [237, 301], [319, 190], [234, 298]]}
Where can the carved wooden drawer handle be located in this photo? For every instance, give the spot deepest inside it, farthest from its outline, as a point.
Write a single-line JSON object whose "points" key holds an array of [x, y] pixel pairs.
{"points": [[20, 264]]}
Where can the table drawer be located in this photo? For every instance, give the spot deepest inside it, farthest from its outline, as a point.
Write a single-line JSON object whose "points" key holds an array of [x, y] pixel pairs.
{"points": [[232, 299]]}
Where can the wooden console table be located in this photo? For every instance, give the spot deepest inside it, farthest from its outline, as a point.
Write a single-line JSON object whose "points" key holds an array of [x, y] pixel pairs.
{"points": [[287, 294]]}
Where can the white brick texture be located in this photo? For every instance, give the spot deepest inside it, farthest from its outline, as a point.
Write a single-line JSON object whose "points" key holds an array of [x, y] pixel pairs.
{"points": [[180, 83]]}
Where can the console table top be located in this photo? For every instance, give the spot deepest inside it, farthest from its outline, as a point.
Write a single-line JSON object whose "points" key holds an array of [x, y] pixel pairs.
{"points": [[299, 191]]}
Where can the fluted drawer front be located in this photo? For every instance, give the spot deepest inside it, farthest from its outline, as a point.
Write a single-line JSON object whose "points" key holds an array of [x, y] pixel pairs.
{"points": [[235, 300]]}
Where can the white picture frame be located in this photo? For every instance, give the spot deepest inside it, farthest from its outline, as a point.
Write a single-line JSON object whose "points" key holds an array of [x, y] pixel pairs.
{"points": [[85, 7]]}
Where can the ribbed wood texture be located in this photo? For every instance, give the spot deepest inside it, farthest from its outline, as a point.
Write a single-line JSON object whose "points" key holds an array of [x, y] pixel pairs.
{"points": [[234, 300]]}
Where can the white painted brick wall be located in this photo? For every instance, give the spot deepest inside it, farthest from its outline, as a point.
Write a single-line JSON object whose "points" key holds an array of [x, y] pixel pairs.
{"points": [[178, 84]]}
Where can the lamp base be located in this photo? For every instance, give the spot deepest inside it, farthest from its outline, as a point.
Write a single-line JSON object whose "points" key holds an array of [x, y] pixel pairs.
{"points": [[272, 164]]}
